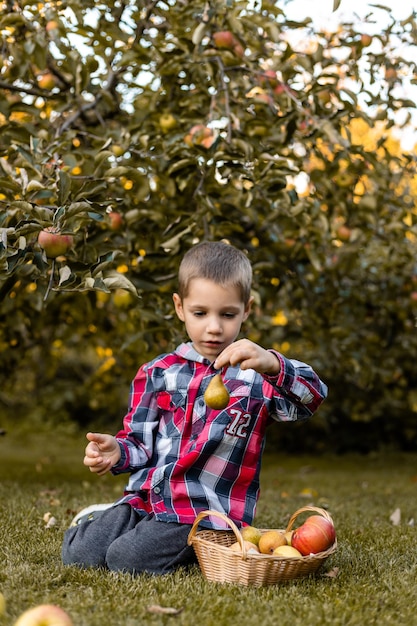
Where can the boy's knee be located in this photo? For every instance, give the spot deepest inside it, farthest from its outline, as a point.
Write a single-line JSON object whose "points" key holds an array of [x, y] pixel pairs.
{"points": [[75, 551]]}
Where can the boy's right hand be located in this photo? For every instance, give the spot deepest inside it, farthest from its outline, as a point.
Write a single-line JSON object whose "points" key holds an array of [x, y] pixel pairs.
{"points": [[101, 453]]}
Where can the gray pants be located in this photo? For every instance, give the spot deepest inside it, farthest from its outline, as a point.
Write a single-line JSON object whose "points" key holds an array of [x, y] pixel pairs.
{"points": [[120, 539]]}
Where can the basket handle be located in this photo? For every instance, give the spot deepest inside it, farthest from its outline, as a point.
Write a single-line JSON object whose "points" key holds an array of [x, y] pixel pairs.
{"points": [[311, 509], [228, 521]]}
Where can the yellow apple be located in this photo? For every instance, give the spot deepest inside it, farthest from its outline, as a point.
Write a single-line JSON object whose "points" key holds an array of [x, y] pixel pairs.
{"points": [[167, 122], [288, 536], [44, 615], [287, 551], [47, 81], [251, 548]]}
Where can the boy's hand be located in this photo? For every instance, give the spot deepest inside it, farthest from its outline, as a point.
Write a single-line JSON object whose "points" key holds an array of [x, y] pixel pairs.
{"points": [[250, 356], [101, 453]]}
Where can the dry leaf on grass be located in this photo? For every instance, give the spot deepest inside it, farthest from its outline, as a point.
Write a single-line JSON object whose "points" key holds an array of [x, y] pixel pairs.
{"points": [[165, 610], [332, 573], [395, 517]]}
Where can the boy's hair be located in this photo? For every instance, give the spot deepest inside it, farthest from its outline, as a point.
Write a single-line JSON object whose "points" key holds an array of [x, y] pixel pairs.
{"points": [[219, 262]]}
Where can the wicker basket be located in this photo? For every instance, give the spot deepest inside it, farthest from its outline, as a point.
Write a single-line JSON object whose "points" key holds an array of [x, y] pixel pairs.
{"points": [[220, 564]]}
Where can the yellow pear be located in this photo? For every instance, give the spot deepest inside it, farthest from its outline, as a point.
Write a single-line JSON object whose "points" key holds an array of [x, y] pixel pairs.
{"points": [[216, 395], [270, 540], [287, 551], [252, 534]]}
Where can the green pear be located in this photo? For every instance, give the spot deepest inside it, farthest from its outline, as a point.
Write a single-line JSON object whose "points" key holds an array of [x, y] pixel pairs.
{"points": [[216, 395], [252, 534]]}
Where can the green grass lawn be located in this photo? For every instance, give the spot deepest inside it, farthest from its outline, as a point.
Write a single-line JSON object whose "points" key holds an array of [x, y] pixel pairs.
{"points": [[370, 579]]}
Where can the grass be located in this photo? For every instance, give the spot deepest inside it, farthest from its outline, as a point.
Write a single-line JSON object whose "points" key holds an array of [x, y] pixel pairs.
{"points": [[375, 563]]}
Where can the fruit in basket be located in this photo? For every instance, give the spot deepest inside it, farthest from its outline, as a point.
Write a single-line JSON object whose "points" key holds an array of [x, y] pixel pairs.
{"points": [[288, 536], [252, 534], [270, 540], [251, 548], [216, 395], [317, 534], [287, 551]]}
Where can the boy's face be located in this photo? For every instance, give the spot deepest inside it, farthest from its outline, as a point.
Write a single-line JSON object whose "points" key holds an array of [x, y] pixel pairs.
{"points": [[212, 315]]}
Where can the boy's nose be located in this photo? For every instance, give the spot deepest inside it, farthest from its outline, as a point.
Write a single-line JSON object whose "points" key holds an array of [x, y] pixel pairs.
{"points": [[214, 326]]}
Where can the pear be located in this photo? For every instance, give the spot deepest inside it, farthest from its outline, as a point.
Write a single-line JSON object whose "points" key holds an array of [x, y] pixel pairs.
{"points": [[270, 540], [216, 395], [252, 534]]}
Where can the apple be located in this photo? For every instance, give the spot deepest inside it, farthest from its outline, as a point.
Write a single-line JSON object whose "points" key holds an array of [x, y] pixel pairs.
{"points": [[44, 615], [167, 122], [366, 40], [51, 25], [287, 551], [116, 220], [251, 548], [344, 233], [315, 535], [200, 135], [269, 78], [225, 40], [47, 81], [53, 242], [391, 74]]}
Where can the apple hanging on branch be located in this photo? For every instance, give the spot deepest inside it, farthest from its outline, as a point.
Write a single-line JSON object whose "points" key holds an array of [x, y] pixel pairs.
{"points": [[54, 242]]}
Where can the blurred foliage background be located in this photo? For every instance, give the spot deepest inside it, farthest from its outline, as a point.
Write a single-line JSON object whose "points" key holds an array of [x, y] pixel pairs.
{"points": [[140, 128]]}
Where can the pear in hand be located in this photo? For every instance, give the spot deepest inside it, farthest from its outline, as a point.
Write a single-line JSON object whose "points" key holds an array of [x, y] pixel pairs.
{"points": [[216, 395]]}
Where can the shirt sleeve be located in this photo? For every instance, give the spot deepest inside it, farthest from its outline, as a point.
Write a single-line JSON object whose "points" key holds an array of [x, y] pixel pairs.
{"points": [[136, 439], [299, 389]]}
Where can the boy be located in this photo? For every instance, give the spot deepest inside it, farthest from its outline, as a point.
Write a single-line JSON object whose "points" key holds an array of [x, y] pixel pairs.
{"points": [[182, 456]]}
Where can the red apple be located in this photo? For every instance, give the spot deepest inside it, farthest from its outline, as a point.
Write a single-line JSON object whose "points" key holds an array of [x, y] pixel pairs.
{"points": [[200, 135], [116, 220], [53, 242], [44, 615], [317, 534], [224, 40], [366, 39]]}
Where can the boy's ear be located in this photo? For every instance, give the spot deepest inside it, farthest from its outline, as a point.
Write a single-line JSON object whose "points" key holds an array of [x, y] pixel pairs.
{"points": [[178, 306], [248, 308]]}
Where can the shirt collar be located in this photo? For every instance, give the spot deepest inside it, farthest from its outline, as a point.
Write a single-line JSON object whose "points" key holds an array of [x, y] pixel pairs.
{"points": [[187, 351]]}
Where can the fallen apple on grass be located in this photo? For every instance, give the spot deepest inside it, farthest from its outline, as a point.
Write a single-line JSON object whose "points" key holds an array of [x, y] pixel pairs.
{"points": [[317, 534], [44, 615]]}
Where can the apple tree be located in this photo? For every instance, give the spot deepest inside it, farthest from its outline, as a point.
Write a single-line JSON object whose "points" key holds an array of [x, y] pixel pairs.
{"points": [[129, 131]]}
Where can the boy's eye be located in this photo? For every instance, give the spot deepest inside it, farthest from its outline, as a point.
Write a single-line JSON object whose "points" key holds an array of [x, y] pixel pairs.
{"points": [[229, 315], [199, 313]]}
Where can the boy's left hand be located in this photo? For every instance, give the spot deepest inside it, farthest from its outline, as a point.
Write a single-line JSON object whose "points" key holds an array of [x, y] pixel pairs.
{"points": [[248, 355]]}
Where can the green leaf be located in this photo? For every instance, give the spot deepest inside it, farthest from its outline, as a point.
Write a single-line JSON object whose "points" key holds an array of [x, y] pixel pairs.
{"points": [[336, 4]]}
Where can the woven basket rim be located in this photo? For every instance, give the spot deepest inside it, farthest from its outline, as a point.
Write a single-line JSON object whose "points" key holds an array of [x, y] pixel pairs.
{"points": [[244, 554], [199, 538]]}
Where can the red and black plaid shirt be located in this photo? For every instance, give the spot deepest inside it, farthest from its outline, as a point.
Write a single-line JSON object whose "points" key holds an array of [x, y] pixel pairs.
{"points": [[184, 457]]}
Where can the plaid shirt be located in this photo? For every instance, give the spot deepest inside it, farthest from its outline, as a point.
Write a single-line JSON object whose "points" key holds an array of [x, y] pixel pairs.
{"points": [[183, 457]]}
